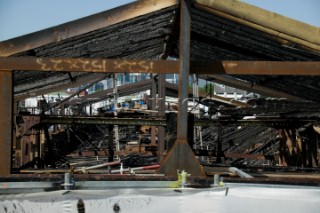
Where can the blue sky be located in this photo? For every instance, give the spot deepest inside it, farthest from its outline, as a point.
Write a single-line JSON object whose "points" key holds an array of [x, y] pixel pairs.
{"points": [[19, 17]]}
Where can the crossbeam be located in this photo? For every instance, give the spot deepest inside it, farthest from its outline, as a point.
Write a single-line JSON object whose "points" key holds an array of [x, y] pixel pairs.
{"points": [[88, 65], [159, 66], [97, 120]]}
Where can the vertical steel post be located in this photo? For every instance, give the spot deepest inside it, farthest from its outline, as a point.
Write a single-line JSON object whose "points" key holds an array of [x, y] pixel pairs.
{"points": [[184, 60], [181, 157], [153, 107], [219, 145], [110, 143], [6, 90], [162, 106], [115, 105]]}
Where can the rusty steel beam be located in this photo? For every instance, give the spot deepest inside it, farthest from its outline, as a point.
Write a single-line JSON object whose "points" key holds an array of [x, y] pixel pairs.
{"points": [[6, 93], [184, 70], [180, 156], [101, 121], [32, 120], [88, 65], [82, 26], [256, 67], [160, 66]]}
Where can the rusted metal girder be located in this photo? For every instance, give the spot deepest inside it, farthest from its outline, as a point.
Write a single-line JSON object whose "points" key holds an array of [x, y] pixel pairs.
{"points": [[102, 121], [160, 66], [32, 120], [180, 156], [256, 67], [88, 65], [6, 93]]}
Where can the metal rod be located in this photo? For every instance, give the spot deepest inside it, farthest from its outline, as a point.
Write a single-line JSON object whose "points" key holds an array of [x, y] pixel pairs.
{"points": [[84, 169], [239, 172]]}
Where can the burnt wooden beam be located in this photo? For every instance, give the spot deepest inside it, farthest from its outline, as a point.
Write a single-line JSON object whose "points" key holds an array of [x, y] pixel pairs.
{"points": [[82, 26], [159, 66]]}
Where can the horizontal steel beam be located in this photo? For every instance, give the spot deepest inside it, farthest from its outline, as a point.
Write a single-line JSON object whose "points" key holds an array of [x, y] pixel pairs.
{"points": [[102, 121], [272, 122], [88, 65], [160, 66], [256, 67]]}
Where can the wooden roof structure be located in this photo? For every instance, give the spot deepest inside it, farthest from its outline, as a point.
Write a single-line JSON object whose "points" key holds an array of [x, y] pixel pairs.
{"points": [[220, 31]]}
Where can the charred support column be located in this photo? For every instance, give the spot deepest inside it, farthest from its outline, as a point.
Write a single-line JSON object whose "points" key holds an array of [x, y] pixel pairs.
{"points": [[6, 90], [110, 143], [219, 145], [162, 106], [181, 157], [153, 107]]}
